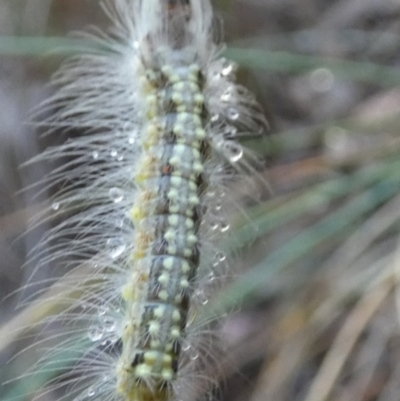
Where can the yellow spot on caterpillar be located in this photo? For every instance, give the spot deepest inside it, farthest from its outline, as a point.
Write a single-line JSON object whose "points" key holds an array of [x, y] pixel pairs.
{"points": [[177, 181], [189, 223], [143, 370], [198, 98], [136, 214], [192, 239], [174, 208], [185, 267], [159, 312], [163, 295], [198, 168], [173, 220], [154, 328], [176, 316], [174, 161], [167, 374], [127, 293], [168, 263], [169, 235], [179, 149], [150, 357], [178, 129], [194, 200], [173, 194], [177, 98], [184, 283], [151, 101], [167, 359], [164, 278], [175, 333], [200, 133], [172, 250], [179, 86]]}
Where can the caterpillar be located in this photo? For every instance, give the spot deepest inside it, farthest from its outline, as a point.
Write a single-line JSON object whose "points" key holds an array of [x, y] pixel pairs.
{"points": [[143, 202]]}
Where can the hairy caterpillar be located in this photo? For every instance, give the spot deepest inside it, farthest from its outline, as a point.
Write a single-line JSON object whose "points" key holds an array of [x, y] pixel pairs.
{"points": [[143, 198]]}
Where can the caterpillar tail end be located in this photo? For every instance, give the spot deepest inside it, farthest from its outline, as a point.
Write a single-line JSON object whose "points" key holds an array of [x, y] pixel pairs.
{"points": [[140, 390]]}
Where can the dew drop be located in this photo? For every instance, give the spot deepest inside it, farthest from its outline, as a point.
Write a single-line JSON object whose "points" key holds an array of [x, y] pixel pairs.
{"points": [[91, 391], [109, 325], [322, 79], [103, 310], [202, 297], [224, 226], [233, 113], [211, 277], [55, 206], [218, 207], [113, 153], [227, 95], [117, 248], [186, 347], [95, 155], [228, 68], [116, 195], [214, 225], [215, 117], [95, 333], [230, 132], [236, 152]]}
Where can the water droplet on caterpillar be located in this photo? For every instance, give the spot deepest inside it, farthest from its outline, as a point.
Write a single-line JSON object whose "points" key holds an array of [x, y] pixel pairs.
{"points": [[55, 206], [95, 333], [109, 324], [228, 67], [186, 347], [95, 155], [102, 310], [91, 391], [218, 207], [201, 296], [116, 195], [228, 94], [233, 113], [113, 153], [215, 117], [214, 224], [117, 248], [230, 132], [224, 226], [236, 152]]}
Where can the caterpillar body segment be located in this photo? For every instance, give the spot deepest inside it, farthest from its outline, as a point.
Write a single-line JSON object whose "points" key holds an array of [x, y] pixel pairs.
{"points": [[165, 252], [144, 199]]}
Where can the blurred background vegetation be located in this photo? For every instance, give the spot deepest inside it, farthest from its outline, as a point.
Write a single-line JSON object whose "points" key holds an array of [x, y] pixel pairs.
{"points": [[320, 296]]}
